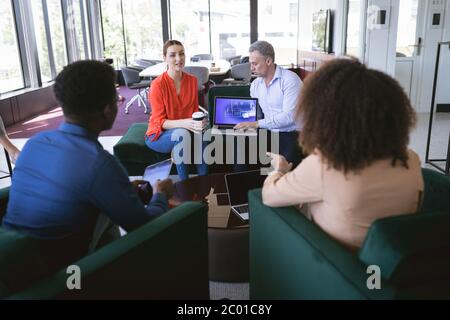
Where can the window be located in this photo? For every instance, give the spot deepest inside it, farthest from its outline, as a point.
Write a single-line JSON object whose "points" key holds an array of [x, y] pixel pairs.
{"points": [[190, 25], [11, 77], [293, 12], [143, 29], [57, 31], [113, 31], [407, 22], [41, 40], [229, 17], [282, 33], [143, 34]]}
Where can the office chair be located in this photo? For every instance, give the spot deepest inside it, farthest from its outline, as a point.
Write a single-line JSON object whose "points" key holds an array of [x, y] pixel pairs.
{"points": [[204, 56], [202, 75], [245, 59], [133, 81], [240, 74]]}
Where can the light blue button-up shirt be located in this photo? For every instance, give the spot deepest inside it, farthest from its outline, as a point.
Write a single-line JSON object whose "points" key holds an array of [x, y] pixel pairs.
{"points": [[278, 100]]}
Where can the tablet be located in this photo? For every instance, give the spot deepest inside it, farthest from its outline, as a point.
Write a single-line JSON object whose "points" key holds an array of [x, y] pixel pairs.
{"points": [[157, 171]]}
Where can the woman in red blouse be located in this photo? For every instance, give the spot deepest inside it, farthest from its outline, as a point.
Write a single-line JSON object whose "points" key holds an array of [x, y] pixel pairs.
{"points": [[174, 98]]}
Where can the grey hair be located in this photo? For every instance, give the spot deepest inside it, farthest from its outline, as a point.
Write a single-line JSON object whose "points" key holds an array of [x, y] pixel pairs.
{"points": [[264, 48]]}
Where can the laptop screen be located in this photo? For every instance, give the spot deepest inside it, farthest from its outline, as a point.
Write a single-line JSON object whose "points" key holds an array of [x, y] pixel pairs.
{"points": [[239, 183], [233, 110], [157, 171]]}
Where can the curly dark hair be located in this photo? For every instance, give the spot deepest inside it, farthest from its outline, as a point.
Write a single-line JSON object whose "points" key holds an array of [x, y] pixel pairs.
{"points": [[85, 87], [354, 116]]}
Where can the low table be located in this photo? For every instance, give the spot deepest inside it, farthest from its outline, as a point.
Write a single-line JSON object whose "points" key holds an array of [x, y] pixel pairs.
{"points": [[228, 235]]}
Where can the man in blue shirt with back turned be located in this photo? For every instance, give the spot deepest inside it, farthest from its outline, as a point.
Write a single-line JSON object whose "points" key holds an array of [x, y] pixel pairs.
{"points": [[277, 90], [64, 179]]}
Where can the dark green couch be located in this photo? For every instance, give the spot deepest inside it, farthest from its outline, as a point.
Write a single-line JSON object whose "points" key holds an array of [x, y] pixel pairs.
{"points": [[164, 259], [292, 258]]}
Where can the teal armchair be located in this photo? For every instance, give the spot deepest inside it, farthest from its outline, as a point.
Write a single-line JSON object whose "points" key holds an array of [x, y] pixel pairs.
{"points": [[292, 258], [165, 259]]}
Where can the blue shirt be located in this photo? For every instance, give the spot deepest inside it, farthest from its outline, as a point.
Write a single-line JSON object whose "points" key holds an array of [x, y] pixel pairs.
{"points": [[278, 100], [64, 179]]}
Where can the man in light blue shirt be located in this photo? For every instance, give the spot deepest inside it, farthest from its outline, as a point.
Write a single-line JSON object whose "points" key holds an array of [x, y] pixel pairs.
{"points": [[64, 178], [277, 90]]}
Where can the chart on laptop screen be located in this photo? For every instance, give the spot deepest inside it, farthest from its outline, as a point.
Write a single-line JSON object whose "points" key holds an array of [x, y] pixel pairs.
{"points": [[235, 110]]}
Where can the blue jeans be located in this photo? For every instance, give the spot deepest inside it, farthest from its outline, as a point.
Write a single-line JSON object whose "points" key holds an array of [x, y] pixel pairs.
{"points": [[168, 140]]}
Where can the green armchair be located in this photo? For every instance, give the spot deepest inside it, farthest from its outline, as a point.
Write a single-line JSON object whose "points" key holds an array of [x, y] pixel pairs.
{"points": [[133, 153], [165, 259], [292, 258]]}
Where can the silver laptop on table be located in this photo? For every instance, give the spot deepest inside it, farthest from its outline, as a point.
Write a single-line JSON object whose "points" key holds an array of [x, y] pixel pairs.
{"points": [[238, 184], [229, 111]]}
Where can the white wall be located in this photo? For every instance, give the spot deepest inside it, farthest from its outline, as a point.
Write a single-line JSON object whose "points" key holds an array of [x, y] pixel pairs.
{"points": [[306, 10], [381, 42]]}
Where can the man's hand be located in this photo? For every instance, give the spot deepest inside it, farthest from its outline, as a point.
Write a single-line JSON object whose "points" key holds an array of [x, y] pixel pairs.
{"points": [[246, 125], [166, 187], [279, 163]]}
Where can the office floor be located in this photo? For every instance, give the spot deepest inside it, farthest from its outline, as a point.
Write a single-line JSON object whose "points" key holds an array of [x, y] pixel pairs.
{"points": [[418, 140]]}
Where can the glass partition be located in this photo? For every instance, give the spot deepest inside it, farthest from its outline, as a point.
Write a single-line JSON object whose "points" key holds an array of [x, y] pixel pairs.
{"points": [[283, 34], [57, 31], [143, 29], [190, 25], [407, 22], [41, 40], [230, 28], [114, 45]]}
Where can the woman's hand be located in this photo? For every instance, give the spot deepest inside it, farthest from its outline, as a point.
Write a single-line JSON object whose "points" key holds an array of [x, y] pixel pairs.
{"points": [[279, 163]]}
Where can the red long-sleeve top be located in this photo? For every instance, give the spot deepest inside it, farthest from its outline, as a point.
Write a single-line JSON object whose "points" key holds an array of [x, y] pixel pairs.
{"points": [[167, 105]]}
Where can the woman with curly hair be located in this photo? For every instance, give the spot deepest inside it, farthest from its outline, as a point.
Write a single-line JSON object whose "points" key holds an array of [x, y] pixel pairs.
{"points": [[359, 169]]}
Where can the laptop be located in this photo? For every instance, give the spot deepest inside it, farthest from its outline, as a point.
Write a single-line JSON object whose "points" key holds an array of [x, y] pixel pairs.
{"points": [[157, 171], [229, 111], [238, 184]]}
